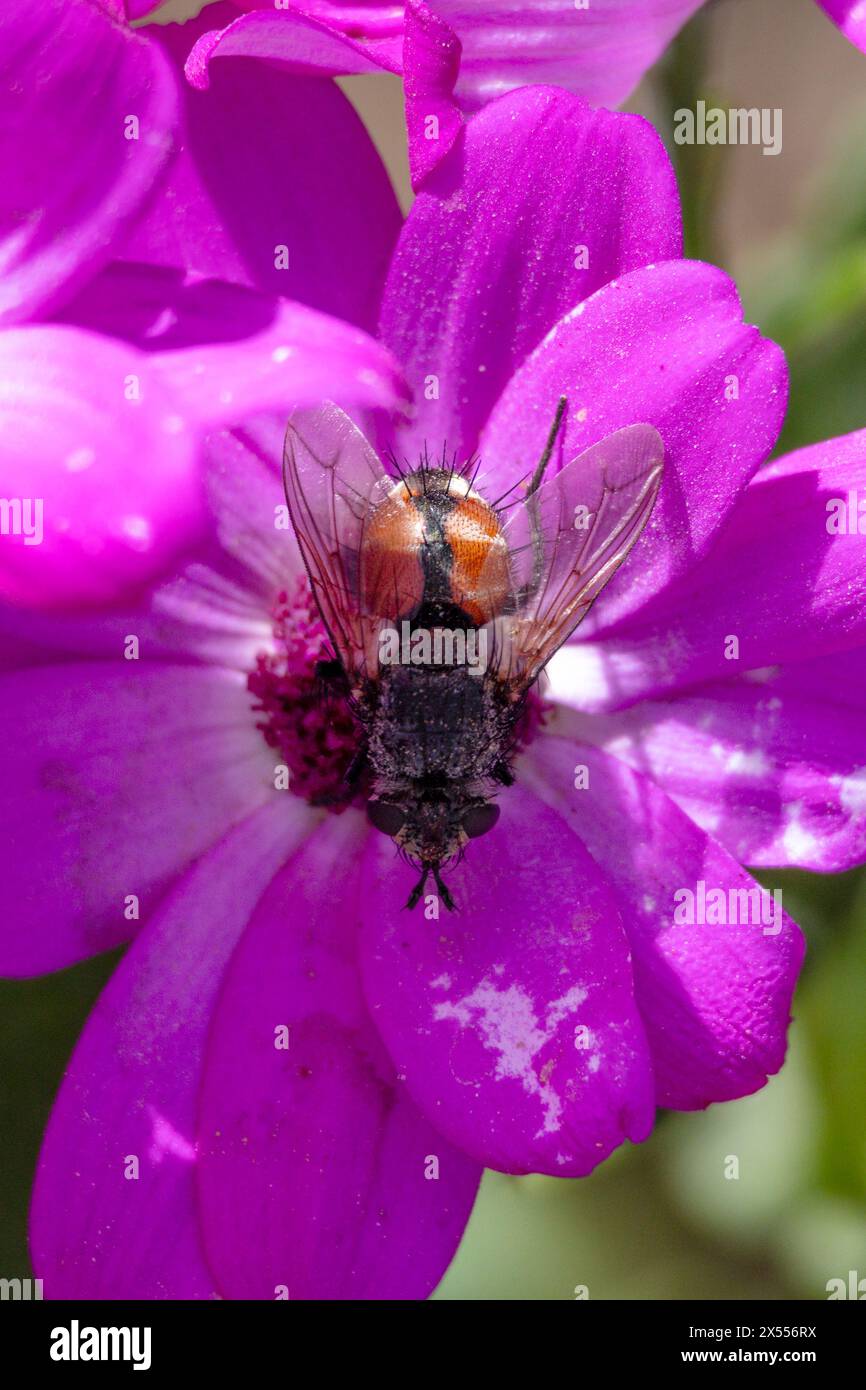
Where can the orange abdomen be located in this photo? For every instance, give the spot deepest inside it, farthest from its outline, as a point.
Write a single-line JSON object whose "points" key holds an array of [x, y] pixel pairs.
{"points": [[430, 538], [392, 576], [479, 559]]}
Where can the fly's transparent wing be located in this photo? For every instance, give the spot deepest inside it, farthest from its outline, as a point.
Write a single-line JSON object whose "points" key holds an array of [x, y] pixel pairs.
{"points": [[334, 481], [568, 539]]}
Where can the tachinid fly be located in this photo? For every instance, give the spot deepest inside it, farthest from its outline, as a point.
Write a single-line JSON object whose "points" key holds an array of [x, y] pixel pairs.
{"points": [[443, 608]]}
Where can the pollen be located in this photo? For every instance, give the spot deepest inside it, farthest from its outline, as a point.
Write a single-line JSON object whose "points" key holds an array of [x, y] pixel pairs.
{"points": [[309, 725]]}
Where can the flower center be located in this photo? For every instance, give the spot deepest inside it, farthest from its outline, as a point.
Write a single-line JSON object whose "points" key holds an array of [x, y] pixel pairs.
{"points": [[309, 724]]}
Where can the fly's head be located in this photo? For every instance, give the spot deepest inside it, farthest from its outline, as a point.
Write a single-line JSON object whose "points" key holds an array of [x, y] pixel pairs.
{"points": [[431, 825]]}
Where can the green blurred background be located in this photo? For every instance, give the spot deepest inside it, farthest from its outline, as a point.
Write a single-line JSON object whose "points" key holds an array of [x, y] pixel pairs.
{"points": [[662, 1221]]}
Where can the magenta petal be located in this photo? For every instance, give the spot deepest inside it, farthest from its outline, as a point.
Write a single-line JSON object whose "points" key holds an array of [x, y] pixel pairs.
{"points": [[87, 119], [104, 468], [431, 62], [330, 43], [489, 258], [786, 579], [319, 1179], [600, 50], [115, 777], [850, 15], [100, 1227], [226, 353], [314, 186], [666, 346], [715, 999], [300, 357], [775, 773], [216, 609], [514, 1020]]}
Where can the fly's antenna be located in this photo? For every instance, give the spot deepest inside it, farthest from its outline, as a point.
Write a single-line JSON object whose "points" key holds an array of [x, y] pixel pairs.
{"points": [[537, 476], [443, 891], [417, 890], [444, 894]]}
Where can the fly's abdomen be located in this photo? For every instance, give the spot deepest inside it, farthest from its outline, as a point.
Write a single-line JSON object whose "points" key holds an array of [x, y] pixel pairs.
{"points": [[434, 543]]}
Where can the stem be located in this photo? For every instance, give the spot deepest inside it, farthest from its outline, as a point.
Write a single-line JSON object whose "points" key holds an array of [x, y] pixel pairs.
{"points": [[698, 167]]}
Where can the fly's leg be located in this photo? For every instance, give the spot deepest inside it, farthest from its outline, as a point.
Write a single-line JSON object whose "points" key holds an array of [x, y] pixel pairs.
{"points": [[529, 590], [538, 475], [357, 767], [331, 677]]}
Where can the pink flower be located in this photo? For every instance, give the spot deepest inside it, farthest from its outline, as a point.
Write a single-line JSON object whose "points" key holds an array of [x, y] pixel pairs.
{"points": [[120, 345], [850, 15], [600, 49], [308, 1078]]}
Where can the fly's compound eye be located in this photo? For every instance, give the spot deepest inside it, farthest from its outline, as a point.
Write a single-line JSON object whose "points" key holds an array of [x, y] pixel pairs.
{"points": [[387, 816], [479, 819]]}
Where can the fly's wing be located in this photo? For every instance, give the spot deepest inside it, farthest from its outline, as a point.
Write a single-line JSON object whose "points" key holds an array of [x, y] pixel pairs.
{"points": [[333, 481], [569, 538]]}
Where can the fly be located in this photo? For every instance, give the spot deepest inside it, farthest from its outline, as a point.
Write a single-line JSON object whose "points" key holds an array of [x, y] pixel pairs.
{"points": [[443, 607]]}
